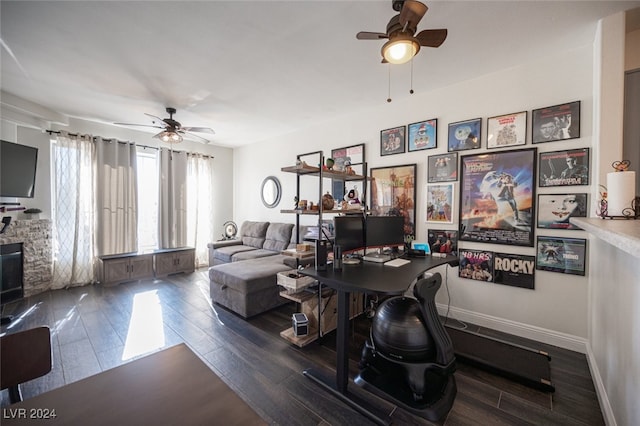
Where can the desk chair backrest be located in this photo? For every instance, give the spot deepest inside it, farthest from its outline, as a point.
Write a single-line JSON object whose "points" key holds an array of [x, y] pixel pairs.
{"points": [[24, 356]]}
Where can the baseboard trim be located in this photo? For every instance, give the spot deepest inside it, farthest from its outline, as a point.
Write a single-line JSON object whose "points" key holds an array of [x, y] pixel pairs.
{"points": [[601, 391], [550, 337]]}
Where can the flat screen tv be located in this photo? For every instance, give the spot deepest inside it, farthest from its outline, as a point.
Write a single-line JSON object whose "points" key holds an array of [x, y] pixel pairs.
{"points": [[384, 231], [17, 170]]}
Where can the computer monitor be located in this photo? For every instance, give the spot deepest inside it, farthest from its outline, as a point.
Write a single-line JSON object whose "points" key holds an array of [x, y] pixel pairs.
{"points": [[384, 231], [349, 233]]}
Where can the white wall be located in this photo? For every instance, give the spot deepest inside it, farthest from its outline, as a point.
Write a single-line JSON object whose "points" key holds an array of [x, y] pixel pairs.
{"points": [[557, 310]]}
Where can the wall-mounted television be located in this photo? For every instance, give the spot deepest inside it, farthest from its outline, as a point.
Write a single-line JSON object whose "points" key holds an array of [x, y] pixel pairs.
{"points": [[17, 170]]}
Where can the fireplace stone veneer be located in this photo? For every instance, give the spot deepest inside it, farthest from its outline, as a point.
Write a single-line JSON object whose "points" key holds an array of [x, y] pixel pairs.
{"points": [[37, 247]]}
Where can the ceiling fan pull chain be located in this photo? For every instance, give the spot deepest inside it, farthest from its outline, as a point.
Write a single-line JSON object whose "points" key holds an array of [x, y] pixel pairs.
{"points": [[411, 89], [389, 94]]}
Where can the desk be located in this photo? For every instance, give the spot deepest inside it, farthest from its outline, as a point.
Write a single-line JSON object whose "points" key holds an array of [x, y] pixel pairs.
{"points": [[364, 277], [172, 386]]}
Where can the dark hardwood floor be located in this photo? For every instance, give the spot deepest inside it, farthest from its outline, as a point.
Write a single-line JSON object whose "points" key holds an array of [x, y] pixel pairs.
{"points": [[95, 328]]}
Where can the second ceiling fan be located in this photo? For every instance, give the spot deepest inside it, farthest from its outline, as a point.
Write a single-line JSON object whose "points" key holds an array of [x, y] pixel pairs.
{"points": [[403, 42]]}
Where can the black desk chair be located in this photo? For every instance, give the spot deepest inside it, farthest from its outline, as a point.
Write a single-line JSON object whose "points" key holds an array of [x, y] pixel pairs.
{"points": [[24, 356]]}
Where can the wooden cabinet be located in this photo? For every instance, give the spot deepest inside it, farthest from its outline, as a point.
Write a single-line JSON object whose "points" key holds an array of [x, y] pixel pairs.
{"points": [[173, 261], [119, 268]]}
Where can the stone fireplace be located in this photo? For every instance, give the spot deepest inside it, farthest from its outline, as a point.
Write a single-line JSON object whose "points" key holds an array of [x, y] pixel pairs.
{"points": [[37, 252]]}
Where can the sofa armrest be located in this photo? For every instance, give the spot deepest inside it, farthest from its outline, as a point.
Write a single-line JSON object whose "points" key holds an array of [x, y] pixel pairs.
{"points": [[224, 243]]}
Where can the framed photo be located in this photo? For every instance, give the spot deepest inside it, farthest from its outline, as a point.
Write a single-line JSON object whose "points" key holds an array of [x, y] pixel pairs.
{"points": [[392, 141], [443, 241], [564, 168], [423, 135], [507, 130], [476, 265], [516, 270], [440, 202], [442, 168], [345, 159], [564, 255], [556, 123], [464, 135], [393, 193], [554, 210], [497, 197]]}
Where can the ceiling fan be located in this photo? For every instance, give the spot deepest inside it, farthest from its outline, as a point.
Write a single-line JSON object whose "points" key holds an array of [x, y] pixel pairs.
{"points": [[172, 130], [403, 43]]}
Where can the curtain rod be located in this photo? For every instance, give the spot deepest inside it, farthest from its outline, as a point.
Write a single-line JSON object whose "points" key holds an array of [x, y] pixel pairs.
{"points": [[94, 138]]}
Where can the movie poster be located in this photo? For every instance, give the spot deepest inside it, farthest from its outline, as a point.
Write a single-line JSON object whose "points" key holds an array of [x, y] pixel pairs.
{"points": [[555, 210], [442, 168], [476, 265], [564, 168], [497, 197], [393, 193], [565, 255], [514, 269], [443, 241], [440, 202], [556, 123]]}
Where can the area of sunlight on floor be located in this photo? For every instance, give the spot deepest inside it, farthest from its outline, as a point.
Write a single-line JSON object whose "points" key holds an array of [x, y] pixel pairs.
{"points": [[146, 330]]}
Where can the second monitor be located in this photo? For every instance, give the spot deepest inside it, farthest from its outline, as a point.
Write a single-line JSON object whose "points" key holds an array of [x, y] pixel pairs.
{"points": [[384, 231]]}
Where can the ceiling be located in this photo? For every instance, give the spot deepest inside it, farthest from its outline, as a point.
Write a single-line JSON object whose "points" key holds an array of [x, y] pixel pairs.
{"points": [[253, 70]]}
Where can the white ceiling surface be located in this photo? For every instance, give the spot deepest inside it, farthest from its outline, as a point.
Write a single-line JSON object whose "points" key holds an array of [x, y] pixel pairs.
{"points": [[258, 69]]}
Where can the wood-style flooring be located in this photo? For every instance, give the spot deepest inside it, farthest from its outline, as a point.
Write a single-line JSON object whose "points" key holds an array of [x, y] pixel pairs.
{"points": [[95, 328]]}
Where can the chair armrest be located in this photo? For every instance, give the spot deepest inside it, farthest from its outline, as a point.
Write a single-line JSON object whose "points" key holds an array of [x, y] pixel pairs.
{"points": [[224, 243]]}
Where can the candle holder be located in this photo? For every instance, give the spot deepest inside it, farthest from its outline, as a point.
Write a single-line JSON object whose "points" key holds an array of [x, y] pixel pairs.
{"points": [[630, 212]]}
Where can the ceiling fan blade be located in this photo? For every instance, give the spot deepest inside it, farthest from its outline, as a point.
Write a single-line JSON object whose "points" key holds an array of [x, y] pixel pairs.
{"points": [[431, 38], [411, 13], [139, 125], [193, 135], [366, 35], [199, 130], [155, 118]]}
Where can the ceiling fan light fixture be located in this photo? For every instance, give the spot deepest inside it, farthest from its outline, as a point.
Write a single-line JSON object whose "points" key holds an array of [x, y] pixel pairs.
{"points": [[169, 136], [400, 49]]}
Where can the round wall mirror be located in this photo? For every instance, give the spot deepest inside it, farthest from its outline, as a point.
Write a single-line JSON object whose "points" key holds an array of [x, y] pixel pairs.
{"points": [[271, 192]]}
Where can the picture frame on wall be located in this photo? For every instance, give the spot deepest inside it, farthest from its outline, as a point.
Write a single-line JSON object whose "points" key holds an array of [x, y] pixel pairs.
{"points": [[564, 168], [564, 255], [476, 264], [507, 130], [393, 193], [442, 167], [497, 197], [423, 135], [443, 241], [392, 141], [464, 135], [345, 159], [515, 270], [556, 123], [439, 203], [555, 210]]}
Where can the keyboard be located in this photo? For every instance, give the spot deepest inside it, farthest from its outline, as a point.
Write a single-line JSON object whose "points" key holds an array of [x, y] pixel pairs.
{"points": [[397, 262]]}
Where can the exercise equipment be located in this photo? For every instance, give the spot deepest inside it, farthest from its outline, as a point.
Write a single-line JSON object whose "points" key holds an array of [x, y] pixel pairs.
{"points": [[409, 357]]}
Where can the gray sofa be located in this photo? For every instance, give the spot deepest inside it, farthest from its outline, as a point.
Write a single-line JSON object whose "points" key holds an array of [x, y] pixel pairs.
{"points": [[243, 272]]}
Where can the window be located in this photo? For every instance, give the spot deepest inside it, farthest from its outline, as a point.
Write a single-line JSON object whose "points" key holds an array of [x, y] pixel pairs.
{"points": [[147, 199]]}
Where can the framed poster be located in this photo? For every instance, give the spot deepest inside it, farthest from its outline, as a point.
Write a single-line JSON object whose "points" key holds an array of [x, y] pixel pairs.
{"points": [[507, 130], [497, 197], [423, 135], [464, 135], [393, 193], [443, 241], [554, 210], [392, 141], [564, 168], [556, 123], [440, 202], [476, 265], [350, 158], [516, 270], [565, 255], [442, 168]]}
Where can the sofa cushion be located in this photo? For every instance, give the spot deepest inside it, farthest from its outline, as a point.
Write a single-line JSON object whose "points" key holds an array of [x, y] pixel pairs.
{"points": [[249, 276], [254, 233], [303, 231], [278, 236], [226, 254], [252, 254]]}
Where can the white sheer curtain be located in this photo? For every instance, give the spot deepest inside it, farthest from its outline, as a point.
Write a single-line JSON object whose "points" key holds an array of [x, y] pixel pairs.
{"points": [[172, 218], [200, 222], [73, 218], [116, 197]]}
